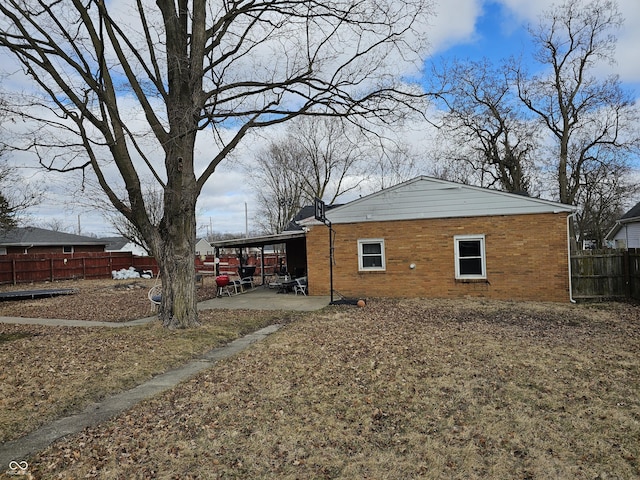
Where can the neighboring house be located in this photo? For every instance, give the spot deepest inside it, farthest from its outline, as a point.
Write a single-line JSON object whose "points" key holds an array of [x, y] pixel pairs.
{"points": [[32, 240], [122, 244], [433, 238], [203, 247], [626, 232]]}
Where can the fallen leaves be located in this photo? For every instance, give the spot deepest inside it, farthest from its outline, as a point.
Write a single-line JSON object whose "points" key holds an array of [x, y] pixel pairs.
{"points": [[401, 389], [49, 371], [104, 300]]}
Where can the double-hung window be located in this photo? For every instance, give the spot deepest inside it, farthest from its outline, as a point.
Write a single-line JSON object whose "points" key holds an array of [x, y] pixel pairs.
{"points": [[470, 257], [371, 255]]}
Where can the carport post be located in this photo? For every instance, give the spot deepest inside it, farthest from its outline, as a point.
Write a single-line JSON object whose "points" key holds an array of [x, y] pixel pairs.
{"points": [[262, 264]]}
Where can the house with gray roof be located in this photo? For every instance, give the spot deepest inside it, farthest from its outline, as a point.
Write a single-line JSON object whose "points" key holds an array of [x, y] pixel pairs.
{"points": [[33, 240], [122, 244], [433, 238], [626, 232]]}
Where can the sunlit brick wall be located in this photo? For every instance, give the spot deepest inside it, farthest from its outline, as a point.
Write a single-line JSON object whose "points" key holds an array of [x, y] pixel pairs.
{"points": [[526, 258]]}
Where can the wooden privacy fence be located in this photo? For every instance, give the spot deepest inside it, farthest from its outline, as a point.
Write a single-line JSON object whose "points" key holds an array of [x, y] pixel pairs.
{"points": [[605, 274], [50, 267], [230, 263]]}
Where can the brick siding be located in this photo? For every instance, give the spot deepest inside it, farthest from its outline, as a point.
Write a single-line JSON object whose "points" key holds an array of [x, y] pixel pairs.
{"points": [[526, 258]]}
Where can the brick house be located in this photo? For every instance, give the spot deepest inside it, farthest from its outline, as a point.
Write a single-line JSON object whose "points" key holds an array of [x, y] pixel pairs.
{"points": [[433, 238], [32, 240]]}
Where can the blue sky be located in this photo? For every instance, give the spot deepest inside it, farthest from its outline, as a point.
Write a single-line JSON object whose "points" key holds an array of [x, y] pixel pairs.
{"points": [[493, 36], [498, 29], [462, 29]]}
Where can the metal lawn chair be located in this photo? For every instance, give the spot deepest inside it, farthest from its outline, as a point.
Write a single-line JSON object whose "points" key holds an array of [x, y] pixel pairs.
{"points": [[300, 286]]}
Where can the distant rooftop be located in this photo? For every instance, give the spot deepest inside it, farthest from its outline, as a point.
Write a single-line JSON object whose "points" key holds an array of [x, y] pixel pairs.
{"points": [[33, 236]]}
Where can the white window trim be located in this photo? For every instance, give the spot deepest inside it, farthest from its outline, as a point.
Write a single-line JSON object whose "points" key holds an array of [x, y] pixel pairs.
{"points": [[71, 249], [361, 267], [483, 257]]}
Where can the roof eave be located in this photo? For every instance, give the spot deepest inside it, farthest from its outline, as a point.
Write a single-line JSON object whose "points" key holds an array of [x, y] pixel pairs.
{"points": [[259, 241]]}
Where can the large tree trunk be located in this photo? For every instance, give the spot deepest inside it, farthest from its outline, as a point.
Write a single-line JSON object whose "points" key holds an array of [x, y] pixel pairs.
{"points": [[177, 269], [176, 257], [179, 306]]}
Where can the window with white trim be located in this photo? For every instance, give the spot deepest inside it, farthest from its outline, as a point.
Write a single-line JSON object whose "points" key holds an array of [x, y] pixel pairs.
{"points": [[371, 254], [67, 249], [470, 257]]}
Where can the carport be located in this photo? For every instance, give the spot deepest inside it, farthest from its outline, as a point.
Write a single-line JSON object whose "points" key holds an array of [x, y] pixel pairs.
{"points": [[295, 248]]}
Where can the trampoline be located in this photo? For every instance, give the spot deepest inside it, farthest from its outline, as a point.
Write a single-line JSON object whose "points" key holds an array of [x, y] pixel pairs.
{"points": [[33, 294]]}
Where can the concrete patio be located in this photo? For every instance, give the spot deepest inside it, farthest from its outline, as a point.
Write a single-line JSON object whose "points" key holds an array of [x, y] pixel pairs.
{"points": [[261, 298]]}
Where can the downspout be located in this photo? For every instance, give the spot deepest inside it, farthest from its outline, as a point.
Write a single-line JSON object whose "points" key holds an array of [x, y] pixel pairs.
{"points": [[571, 299]]}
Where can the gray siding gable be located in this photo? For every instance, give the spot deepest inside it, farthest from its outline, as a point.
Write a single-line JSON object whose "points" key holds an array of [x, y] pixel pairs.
{"points": [[429, 198]]}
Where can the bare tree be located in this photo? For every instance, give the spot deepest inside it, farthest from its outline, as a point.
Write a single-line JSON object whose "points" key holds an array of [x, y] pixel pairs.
{"points": [[14, 201], [323, 158], [125, 88], [121, 224], [606, 192], [279, 193], [393, 164], [589, 119], [484, 125], [56, 225], [330, 162]]}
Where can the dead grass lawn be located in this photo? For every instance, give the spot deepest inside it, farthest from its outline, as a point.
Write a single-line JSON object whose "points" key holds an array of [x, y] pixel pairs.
{"points": [[105, 300], [47, 372], [397, 390]]}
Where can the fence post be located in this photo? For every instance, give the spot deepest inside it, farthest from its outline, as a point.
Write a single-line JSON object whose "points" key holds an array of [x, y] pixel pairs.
{"points": [[626, 273], [14, 274]]}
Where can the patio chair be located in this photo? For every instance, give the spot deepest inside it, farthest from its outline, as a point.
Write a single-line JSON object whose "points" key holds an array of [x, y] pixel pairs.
{"points": [[155, 295], [239, 286], [300, 286], [246, 282], [233, 287], [276, 280]]}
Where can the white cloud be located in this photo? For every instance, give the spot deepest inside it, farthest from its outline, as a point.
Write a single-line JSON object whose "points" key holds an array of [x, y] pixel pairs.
{"points": [[453, 23], [628, 41]]}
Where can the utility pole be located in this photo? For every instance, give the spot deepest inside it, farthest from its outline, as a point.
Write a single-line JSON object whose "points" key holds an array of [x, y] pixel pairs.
{"points": [[246, 221]]}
